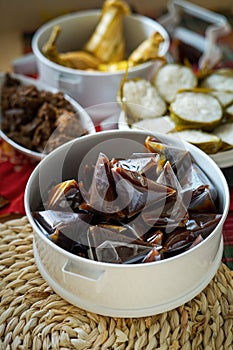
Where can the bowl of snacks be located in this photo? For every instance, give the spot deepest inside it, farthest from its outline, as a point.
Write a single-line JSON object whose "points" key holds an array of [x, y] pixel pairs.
{"points": [[127, 223], [90, 63], [198, 108], [36, 118]]}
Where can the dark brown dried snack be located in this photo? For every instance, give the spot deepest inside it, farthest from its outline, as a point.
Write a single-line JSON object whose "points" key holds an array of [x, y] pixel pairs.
{"points": [[30, 116], [68, 127]]}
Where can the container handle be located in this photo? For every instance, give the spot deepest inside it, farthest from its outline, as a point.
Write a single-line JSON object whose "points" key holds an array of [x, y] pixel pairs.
{"points": [[73, 274], [218, 26], [69, 84]]}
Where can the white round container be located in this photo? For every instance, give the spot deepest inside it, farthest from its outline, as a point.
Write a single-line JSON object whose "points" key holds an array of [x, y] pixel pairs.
{"points": [[113, 289], [92, 87], [85, 119]]}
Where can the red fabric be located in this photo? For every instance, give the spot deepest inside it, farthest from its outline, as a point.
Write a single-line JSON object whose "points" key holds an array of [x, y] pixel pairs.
{"points": [[15, 170], [228, 229], [231, 199], [228, 239]]}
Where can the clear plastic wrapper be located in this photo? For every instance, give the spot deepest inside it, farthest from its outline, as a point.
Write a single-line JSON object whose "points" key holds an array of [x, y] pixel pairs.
{"points": [[134, 210]]}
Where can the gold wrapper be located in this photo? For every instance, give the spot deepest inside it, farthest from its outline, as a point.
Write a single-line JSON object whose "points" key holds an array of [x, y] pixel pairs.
{"points": [[73, 59], [107, 42], [147, 50]]}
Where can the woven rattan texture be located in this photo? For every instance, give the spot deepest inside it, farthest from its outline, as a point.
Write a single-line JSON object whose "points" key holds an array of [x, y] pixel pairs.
{"points": [[32, 316]]}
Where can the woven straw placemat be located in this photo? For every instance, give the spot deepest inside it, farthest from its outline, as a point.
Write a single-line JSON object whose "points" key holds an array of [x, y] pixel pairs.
{"points": [[32, 316]]}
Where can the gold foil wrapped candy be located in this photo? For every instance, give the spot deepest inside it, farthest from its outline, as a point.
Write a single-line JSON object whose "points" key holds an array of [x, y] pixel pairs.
{"points": [[73, 59], [107, 42]]}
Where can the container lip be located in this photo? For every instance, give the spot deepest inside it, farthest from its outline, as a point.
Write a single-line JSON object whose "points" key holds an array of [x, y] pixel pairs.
{"points": [[41, 86], [69, 255], [62, 69]]}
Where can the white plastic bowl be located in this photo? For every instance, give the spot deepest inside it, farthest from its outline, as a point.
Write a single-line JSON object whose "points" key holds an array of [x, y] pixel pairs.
{"points": [[92, 87], [113, 289], [84, 116]]}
